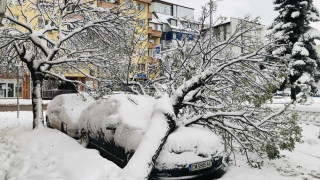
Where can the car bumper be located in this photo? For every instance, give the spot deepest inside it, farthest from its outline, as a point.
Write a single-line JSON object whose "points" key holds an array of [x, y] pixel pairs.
{"points": [[214, 172]]}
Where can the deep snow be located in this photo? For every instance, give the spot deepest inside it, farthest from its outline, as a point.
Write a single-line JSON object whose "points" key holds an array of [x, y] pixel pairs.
{"points": [[50, 154]]}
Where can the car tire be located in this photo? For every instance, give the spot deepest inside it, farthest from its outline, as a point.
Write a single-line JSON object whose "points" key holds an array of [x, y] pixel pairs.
{"points": [[84, 138], [48, 123]]}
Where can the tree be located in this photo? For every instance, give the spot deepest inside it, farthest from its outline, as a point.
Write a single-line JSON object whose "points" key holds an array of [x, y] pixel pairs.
{"points": [[50, 36], [206, 84], [292, 29]]}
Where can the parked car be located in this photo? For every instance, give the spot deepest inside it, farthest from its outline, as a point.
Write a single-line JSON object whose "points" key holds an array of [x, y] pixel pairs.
{"points": [[64, 110], [115, 126]]}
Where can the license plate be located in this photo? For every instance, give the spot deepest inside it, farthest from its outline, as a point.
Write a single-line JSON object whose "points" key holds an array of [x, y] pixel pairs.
{"points": [[200, 165]]}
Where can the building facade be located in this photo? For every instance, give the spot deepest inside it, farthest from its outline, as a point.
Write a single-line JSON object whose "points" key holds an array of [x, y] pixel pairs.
{"points": [[159, 23], [252, 39]]}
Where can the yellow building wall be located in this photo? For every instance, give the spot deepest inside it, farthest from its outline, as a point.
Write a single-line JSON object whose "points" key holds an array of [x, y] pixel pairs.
{"points": [[142, 46]]}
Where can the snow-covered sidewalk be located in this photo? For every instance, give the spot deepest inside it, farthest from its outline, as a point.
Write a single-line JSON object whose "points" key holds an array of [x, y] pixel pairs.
{"points": [[49, 154], [12, 102], [46, 154]]}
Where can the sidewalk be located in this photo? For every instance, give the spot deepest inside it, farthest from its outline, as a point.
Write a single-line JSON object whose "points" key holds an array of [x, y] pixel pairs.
{"points": [[25, 104]]}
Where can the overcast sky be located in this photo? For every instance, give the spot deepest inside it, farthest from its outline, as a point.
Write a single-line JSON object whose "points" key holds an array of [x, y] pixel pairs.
{"points": [[240, 8]]}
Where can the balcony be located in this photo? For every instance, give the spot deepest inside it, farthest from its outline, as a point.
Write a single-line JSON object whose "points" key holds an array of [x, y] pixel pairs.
{"points": [[108, 5], [154, 33], [145, 1], [153, 60], [149, 16]]}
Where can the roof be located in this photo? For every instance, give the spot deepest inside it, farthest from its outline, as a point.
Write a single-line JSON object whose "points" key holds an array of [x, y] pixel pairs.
{"points": [[163, 18], [175, 2]]}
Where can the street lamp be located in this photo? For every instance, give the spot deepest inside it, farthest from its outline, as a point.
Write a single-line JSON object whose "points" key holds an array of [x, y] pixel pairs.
{"points": [[18, 93], [3, 4]]}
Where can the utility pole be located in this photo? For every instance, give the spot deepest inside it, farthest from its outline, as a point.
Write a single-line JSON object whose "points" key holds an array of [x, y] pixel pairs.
{"points": [[210, 14]]}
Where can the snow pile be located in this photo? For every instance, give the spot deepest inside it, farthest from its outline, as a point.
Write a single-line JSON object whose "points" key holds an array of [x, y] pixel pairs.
{"points": [[67, 108], [188, 145], [50, 154], [122, 118]]}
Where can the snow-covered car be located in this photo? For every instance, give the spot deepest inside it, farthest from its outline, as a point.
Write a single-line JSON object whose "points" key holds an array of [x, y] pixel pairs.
{"points": [[115, 126], [64, 111]]}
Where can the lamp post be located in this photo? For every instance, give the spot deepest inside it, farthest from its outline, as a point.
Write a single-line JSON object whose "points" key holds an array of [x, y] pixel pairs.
{"points": [[18, 89], [3, 4]]}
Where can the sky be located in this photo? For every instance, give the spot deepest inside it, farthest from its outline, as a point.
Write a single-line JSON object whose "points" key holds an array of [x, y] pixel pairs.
{"points": [[240, 8]]}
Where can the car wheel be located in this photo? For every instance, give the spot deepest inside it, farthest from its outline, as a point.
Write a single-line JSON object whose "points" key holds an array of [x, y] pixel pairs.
{"points": [[84, 138], [47, 121]]}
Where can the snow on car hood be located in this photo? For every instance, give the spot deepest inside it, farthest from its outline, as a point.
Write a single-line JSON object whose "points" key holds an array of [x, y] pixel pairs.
{"points": [[67, 108], [189, 145]]}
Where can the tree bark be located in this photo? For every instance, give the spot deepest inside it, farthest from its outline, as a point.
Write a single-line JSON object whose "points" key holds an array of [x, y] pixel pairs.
{"points": [[37, 80]]}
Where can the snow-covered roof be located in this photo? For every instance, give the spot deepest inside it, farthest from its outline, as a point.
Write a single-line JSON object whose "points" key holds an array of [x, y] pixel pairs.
{"points": [[164, 18], [155, 20]]}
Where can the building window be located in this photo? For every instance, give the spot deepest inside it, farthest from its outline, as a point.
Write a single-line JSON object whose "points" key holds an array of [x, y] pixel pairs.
{"points": [[142, 52], [142, 37], [3, 90], [163, 8], [10, 89], [174, 35], [141, 7], [159, 27], [141, 22], [141, 67], [173, 22], [15, 2]]}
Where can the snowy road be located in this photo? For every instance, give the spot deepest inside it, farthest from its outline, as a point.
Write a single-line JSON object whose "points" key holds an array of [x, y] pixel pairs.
{"points": [[49, 154]]}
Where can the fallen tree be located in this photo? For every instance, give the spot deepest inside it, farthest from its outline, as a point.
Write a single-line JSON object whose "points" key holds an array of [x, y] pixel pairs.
{"points": [[205, 83]]}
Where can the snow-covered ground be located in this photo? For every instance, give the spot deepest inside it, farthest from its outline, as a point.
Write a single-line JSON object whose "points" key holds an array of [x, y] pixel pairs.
{"points": [[46, 154], [302, 163], [50, 154]]}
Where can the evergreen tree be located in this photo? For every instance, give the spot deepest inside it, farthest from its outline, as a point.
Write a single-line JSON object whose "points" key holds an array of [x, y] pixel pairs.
{"points": [[292, 29]]}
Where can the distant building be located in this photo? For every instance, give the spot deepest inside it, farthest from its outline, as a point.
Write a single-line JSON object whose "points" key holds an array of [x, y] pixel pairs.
{"points": [[252, 39], [177, 21]]}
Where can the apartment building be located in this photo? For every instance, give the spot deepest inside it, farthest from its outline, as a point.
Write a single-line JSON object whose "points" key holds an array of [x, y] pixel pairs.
{"points": [[252, 39], [160, 22], [175, 20]]}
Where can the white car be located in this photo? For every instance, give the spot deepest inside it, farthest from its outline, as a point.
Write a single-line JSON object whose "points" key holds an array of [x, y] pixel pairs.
{"points": [[64, 111], [115, 126]]}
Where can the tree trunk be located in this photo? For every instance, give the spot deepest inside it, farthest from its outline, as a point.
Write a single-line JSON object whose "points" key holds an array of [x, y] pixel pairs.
{"points": [[293, 89], [293, 94], [37, 80], [161, 126]]}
